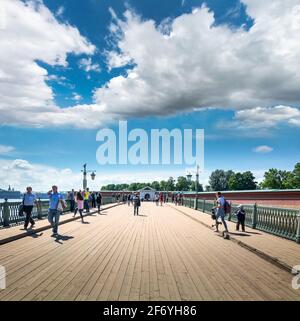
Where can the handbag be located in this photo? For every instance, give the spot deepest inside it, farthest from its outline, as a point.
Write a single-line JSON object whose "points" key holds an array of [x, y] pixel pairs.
{"points": [[61, 203], [213, 214], [21, 207]]}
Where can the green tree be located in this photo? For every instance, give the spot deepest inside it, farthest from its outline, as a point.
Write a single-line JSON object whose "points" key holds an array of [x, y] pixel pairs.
{"points": [[295, 179], [170, 184], [182, 184], [155, 185], [163, 185], [109, 187], [276, 179], [141, 185], [242, 181], [133, 187], [235, 182], [219, 179]]}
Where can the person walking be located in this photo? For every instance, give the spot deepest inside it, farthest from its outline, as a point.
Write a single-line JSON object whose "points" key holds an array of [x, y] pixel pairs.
{"points": [[220, 211], [128, 199], [99, 201], [29, 200], [156, 199], [72, 201], [176, 199], [93, 199], [86, 200], [79, 208], [136, 204], [181, 199], [161, 198], [241, 215], [56, 207]]}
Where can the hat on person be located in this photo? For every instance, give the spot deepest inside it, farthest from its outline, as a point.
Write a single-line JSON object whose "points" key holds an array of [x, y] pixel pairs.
{"points": [[240, 206]]}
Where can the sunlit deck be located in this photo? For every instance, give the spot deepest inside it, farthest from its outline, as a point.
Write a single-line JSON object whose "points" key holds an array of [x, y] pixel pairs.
{"points": [[160, 255]]}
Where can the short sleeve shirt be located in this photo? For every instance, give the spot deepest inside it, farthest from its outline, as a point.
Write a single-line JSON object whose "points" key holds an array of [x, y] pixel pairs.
{"points": [[54, 199], [221, 201], [29, 199]]}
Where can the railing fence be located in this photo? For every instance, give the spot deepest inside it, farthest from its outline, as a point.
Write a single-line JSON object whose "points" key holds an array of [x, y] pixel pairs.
{"points": [[9, 211], [282, 222]]}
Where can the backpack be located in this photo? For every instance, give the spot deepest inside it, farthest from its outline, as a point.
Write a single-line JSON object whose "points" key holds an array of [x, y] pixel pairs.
{"points": [[227, 207], [21, 207]]}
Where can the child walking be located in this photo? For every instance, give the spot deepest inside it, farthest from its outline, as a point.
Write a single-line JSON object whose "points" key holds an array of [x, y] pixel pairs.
{"points": [[80, 205], [241, 215]]}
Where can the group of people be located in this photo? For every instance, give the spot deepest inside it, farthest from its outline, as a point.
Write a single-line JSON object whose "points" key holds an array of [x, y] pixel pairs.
{"points": [[134, 200], [222, 208], [177, 199], [160, 198], [79, 201]]}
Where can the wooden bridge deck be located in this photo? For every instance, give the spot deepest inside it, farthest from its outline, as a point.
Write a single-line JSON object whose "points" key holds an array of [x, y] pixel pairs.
{"points": [[160, 255]]}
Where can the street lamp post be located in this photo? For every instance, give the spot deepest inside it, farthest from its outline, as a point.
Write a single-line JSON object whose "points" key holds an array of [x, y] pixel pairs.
{"points": [[189, 177], [197, 180], [197, 188], [196, 184], [85, 171]]}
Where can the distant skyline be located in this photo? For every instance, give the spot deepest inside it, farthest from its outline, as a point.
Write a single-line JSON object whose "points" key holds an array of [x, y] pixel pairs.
{"points": [[70, 68]]}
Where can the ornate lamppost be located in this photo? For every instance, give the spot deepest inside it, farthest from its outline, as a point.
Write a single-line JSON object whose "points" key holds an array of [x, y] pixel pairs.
{"points": [[85, 171], [196, 184]]}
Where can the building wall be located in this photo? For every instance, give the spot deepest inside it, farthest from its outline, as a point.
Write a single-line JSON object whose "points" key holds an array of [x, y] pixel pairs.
{"points": [[268, 198], [284, 198]]}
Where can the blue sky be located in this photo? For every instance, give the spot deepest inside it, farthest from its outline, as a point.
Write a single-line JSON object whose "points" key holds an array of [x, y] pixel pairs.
{"points": [[260, 107]]}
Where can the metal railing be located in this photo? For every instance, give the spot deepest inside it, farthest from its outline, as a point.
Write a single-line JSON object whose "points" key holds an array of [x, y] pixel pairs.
{"points": [[282, 222], [9, 211]]}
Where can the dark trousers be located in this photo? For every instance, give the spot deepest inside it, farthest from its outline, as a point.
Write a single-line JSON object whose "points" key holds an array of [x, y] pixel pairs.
{"points": [[241, 221], [93, 203], [86, 205], [72, 205], [136, 210], [99, 205], [80, 212], [28, 218]]}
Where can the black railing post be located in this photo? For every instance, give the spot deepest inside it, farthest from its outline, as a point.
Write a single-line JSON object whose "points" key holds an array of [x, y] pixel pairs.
{"points": [[230, 213], [254, 218], [39, 209], [6, 214], [196, 203], [298, 228]]}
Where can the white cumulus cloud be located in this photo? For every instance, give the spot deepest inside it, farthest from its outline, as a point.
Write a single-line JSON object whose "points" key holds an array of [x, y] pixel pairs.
{"points": [[87, 65], [180, 65], [5, 149], [263, 149], [199, 65], [31, 33]]}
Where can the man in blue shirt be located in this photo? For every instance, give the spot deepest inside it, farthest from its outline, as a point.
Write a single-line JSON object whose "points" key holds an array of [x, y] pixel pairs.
{"points": [[29, 200], [56, 207], [220, 211]]}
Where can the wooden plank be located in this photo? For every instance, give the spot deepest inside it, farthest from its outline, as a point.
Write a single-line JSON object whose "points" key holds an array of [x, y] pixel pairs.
{"points": [[163, 255]]}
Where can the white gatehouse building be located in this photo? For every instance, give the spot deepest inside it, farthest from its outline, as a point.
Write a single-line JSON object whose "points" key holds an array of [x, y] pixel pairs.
{"points": [[147, 193]]}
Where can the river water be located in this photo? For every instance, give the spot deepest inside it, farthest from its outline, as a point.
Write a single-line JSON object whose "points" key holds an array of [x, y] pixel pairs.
{"points": [[17, 200]]}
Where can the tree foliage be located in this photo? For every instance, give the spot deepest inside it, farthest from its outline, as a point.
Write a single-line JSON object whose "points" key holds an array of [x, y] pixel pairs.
{"points": [[242, 181], [221, 180]]}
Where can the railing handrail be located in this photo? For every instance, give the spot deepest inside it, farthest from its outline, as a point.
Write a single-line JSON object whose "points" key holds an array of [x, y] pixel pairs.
{"points": [[280, 221], [9, 210]]}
